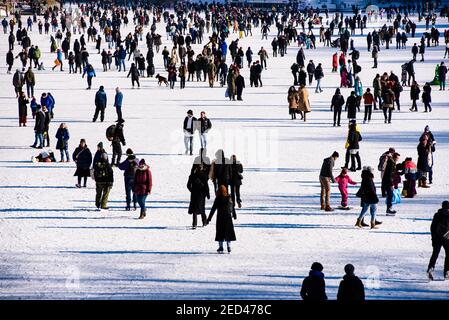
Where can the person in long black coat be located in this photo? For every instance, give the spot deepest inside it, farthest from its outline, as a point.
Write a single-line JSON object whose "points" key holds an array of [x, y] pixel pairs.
{"points": [[352, 106], [221, 170], [314, 287], [23, 101], [39, 126], [83, 159], [424, 160], [199, 191], [351, 288], [368, 199], [46, 125], [236, 180], [225, 212], [239, 84], [302, 76]]}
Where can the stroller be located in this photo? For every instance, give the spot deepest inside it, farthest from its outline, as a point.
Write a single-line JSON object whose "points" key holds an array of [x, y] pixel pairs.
{"points": [[335, 43]]}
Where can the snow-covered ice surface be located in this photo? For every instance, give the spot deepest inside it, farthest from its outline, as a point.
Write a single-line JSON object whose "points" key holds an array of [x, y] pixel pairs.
{"points": [[54, 244]]}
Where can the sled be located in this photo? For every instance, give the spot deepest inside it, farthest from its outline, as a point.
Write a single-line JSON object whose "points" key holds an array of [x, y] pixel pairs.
{"points": [[343, 208]]}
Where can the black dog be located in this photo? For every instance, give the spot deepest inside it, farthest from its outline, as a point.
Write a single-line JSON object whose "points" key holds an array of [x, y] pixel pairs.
{"points": [[161, 79]]}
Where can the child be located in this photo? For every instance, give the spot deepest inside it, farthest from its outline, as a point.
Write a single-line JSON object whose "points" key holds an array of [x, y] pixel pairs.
{"points": [[343, 180]]}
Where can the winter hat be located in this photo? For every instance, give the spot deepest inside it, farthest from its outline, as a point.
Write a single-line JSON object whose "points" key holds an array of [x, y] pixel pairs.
{"points": [[190, 112], [142, 162], [129, 152], [368, 168], [316, 266], [349, 269], [101, 88], [445, 205], [427, 128], [100, 145]]}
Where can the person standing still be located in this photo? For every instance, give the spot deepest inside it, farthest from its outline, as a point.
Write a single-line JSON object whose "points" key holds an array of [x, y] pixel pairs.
{"points": [[188, 132], [326, 177], [118, 103]]}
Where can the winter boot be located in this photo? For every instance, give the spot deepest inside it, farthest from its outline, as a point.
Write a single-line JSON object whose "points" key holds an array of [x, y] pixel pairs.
{"points": [[323, 207], [329, 209], [390, 211], [419, 183], [358, 223], [373, 225], [364, 224], [377, 222], [229, 249], [220, 250], [424, 184], [142, 214], [430, 274]]}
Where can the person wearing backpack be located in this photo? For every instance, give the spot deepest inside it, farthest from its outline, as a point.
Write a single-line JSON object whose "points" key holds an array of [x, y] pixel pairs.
{"points": [[199, 191], [117, 139], [440, 238], [129, 167], [104, 179]]}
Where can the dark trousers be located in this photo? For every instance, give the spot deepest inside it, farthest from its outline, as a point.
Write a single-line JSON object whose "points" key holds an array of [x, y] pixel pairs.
{"points": [[97, 111], [427, 106], [116, 152], [310, 78], [135, 80], [129, 186], [89, 82], [337, 116], [71, 68], [414, 105], [368, 111], [353, 159], [119, 112], [436, 251], [195, 219], [347, 155], [182, 82], [389, 192], [387, 114], [85, 180], [235, 192]]}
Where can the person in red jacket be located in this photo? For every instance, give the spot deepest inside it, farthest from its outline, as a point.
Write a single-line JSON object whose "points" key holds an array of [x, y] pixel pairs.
{"points": [[143, 183], [334, 62], [368, 100]]}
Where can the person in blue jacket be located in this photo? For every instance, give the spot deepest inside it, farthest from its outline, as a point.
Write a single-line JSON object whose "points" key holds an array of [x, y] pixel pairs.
{"points": [[100, 104], [224, 48], [89, 70], [48, 101], [118, 103], [129, 168], [122, 57], [62, 144], [58, 60]]}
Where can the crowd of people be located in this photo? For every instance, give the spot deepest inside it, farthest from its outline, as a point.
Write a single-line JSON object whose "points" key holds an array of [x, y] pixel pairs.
{"points": [[187, 28]]}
